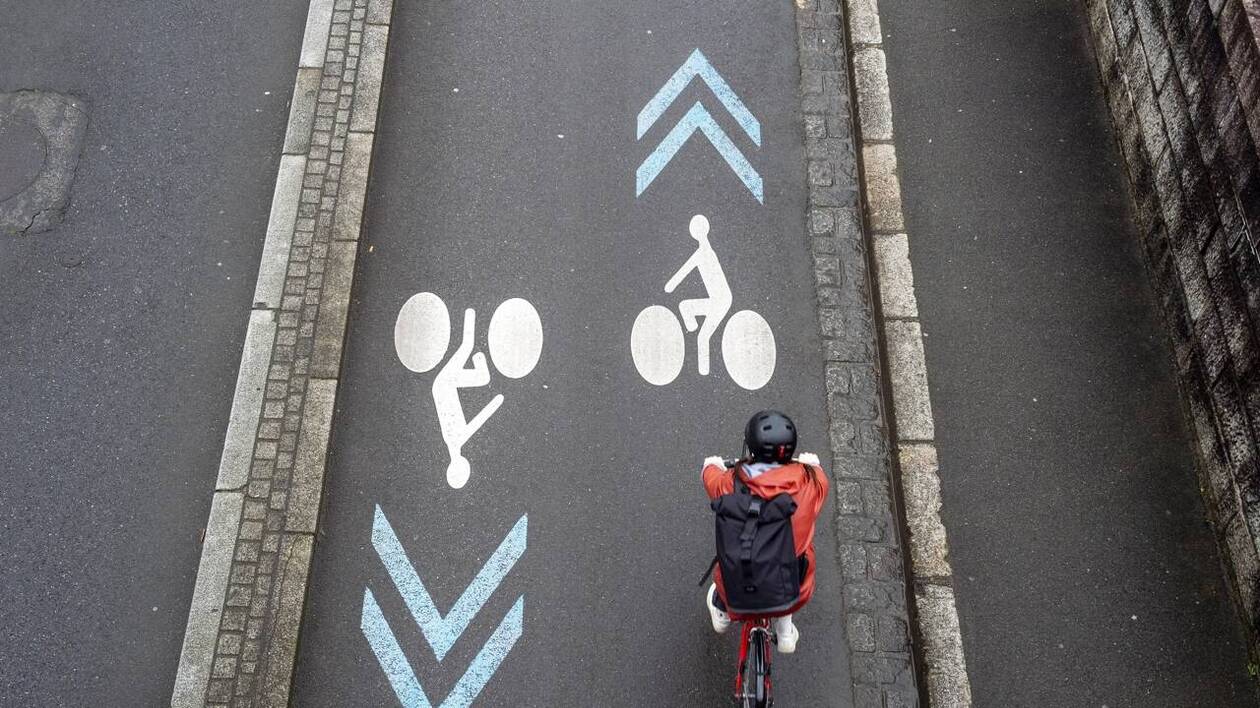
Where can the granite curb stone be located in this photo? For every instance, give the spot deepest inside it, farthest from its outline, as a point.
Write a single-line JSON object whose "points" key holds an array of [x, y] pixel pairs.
{"points": [[943, 667], [241, 642], [874, 589]]}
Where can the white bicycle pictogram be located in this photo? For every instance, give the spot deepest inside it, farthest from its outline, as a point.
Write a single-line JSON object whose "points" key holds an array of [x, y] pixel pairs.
{"points": [[422, 335], [657, 343]]}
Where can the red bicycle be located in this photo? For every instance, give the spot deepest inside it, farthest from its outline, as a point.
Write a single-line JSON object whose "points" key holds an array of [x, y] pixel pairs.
{"points": [[756, 642], [752, 680]]}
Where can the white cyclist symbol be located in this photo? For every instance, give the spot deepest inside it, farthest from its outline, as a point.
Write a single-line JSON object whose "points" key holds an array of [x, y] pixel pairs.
{"points": [[657, 343], [422, 334]]}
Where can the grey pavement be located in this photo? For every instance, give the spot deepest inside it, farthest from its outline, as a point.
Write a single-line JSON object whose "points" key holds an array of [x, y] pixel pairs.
{"points": [[121, 330], [505, 167], [1085, 573]]}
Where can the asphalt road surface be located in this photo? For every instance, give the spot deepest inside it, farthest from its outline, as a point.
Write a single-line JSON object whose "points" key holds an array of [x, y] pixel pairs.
{"points": [[506, 168], [121, 331], [1085, 571]]}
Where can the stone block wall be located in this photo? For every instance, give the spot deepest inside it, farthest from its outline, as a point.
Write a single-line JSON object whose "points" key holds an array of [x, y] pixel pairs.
{"points": [[1182, 79]]}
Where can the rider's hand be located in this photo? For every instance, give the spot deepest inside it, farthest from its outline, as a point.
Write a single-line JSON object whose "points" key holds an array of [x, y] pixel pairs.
{"points": [[808, 458], [714, 460]]}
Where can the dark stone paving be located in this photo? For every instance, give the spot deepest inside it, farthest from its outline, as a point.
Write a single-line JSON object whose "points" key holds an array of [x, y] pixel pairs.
{"points": [[871, 547], [121, 330], [1084, 571]]}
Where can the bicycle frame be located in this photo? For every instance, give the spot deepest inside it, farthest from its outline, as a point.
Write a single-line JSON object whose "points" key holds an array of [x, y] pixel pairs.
{"points": [[748, 628]]}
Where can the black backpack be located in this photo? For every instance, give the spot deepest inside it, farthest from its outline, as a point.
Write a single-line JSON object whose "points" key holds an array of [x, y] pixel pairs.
{"points": [[756, 550]]}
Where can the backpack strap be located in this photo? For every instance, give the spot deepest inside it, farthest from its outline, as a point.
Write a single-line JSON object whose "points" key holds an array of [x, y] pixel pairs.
{"points": [[736, 482], [749, 532], [712, 564]]}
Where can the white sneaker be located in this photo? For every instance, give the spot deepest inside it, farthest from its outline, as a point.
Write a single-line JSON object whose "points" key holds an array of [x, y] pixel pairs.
{"points": [[786, 634], [721, 621]]}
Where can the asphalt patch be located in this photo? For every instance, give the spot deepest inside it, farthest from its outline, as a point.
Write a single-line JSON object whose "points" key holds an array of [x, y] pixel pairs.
{"points": [[41, 135]]}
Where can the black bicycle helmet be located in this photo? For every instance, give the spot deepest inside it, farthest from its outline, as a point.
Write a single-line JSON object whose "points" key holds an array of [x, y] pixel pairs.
{"points": [[770, 436]]}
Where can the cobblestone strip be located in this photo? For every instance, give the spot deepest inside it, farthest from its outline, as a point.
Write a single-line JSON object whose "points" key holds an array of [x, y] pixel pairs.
{"points": [[241, 640], [936, 615], [876, 604]]}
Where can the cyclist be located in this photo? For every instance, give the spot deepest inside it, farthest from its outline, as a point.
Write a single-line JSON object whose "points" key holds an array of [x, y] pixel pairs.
{"points": [[768, 469]]}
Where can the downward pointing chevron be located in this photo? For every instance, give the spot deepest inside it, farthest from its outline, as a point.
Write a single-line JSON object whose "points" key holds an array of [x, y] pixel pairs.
{"points": [[441, 631]]}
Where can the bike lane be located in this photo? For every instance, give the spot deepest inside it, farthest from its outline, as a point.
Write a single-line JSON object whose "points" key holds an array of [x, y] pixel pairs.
{"points": [[559, 566]]}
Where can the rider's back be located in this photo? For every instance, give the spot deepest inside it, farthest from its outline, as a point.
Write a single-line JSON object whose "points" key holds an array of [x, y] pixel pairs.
{"points": [[808, 487]]}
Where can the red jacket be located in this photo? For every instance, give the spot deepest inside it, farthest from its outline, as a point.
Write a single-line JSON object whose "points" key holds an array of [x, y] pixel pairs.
{"points": [[808, 495]]}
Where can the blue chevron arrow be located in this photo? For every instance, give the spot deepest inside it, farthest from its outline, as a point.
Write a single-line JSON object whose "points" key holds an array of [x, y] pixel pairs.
{"points": [[698, 119], [698, 65], [403, 679], [441, 632]]}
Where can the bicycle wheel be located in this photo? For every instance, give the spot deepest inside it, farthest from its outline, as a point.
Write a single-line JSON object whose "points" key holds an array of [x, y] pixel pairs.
{"points": [[657, 346], [422, 332], [748, 349], [756, 688], [749, 675]]}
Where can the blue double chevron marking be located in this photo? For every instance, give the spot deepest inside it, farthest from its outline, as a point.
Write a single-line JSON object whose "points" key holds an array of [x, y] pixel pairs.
{"points": [[698, 119], [441, 631], [698, 65]]}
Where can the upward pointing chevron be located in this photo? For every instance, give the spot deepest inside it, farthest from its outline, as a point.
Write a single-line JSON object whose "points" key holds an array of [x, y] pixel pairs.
{"points": [[698, 119], [698, 65]]}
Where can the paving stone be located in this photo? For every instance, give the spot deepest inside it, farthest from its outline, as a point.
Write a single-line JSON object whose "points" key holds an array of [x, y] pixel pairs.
{"points": [[907, 368], [892, 634], [860, 630], [864, 26], [896, 281], [947, 682], [886, 562], [883, 189], [862, 467], [874, 104], [929, 548]]}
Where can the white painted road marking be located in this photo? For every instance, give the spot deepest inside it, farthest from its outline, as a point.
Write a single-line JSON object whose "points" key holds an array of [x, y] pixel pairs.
{"points": [[422, 334], [515, 338], [748, 349], [456, 429], [657, 344], [712, 308]]}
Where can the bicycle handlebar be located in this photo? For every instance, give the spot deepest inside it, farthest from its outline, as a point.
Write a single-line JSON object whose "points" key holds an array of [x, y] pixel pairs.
{"points": [[729, 462]]}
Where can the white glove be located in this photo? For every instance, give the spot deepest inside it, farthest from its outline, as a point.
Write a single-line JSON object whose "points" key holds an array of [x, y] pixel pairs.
{"points": [[714, 460], [808, 458]]}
